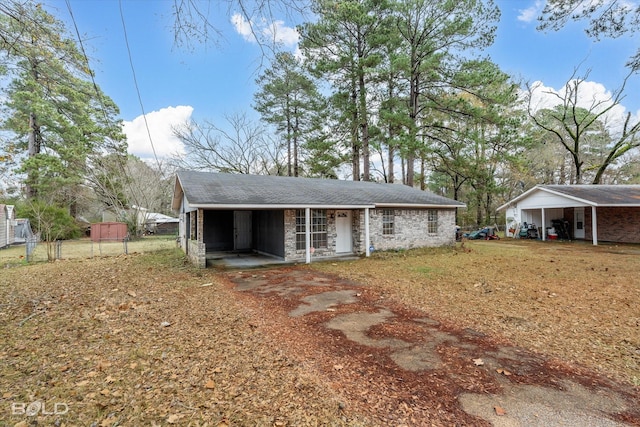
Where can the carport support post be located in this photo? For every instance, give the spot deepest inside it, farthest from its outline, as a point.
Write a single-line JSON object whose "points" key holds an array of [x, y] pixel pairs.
{"points": [[544, 228], [594, 226], [307, 232]]}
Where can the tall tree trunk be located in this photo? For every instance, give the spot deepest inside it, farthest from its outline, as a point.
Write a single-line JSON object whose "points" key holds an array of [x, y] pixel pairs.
{"points": [[479, 219], [355, 143], [423, 184], [289, 155], [391, 150], [414, 93], [34, 149], [364, 126], [296, 170]]}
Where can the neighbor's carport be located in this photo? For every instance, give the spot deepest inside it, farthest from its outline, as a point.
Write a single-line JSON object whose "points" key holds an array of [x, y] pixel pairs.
{"points": [[609, 211]]}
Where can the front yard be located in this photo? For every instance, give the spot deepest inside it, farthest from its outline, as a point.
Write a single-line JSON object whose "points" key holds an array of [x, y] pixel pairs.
{"points": [[145, 339]]}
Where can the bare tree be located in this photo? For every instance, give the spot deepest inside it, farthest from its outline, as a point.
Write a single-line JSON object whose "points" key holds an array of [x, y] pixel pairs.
{"points": [[245, 147], [192, 19], [130, 188], [574, 125]]}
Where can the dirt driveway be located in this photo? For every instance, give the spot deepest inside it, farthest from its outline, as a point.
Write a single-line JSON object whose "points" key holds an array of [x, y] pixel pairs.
{"points": [[395, 364]]}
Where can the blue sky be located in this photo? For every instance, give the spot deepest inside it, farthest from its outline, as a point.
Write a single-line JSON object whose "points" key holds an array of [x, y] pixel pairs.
{"points": [[213, 81]]}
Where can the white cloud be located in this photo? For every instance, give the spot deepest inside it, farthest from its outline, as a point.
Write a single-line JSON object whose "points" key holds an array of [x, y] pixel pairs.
{"points": [[275, 31], [243, 27], [160, 125], [280, 33], [531, 13], [591, 96]]}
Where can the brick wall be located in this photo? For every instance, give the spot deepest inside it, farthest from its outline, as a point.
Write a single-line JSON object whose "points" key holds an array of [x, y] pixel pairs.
{"points": [[293, 254], [197, 250], [614, 224], [410, 229]]}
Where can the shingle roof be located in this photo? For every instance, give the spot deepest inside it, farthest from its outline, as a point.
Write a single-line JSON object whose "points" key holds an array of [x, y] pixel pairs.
{"points": [[208, 189], [600, 195], [594, 195]]}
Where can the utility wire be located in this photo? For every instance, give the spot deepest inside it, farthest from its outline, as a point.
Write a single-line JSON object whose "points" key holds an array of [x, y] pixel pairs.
{"points": [[122, 166], [86, 58], [135, 82]]}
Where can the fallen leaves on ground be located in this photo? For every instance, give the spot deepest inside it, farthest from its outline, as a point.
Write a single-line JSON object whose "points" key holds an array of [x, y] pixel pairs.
{"points": [[574, 301], [145, 340], [135, 340]]}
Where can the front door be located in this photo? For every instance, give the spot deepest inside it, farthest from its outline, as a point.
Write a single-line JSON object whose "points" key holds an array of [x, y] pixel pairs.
{"points": [[578, 223], [343, 232], [242, 234]]}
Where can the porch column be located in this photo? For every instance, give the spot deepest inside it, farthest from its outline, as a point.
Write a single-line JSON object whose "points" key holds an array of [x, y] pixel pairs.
{"points": [[200, 226], [307, 232], [202, 247], [594, 226], [367, 242], [544, 227]]}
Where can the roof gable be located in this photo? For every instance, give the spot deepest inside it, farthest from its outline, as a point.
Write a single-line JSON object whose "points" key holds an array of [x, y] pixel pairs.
{"points": [[581, 195], [209, 190]]}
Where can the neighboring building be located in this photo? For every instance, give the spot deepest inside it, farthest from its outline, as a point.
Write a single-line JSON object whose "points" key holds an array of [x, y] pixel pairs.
{"points": [[589, 212], [157, 223], [7, 225], [297, 219], [23, 231]]}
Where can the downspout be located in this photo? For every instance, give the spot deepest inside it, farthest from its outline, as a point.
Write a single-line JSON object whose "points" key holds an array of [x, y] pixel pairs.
{"points": [[307, 232], [366, 232], [594, 226]]}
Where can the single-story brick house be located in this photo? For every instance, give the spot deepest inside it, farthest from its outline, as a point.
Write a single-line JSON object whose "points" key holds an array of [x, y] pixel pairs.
{"points": [[591, 212], [297, 219]]}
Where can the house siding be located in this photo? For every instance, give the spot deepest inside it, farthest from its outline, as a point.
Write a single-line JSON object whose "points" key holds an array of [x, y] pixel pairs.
{"points": [[410, 229], [4, 226], [615, 224], [293, 254], [410, 232]]}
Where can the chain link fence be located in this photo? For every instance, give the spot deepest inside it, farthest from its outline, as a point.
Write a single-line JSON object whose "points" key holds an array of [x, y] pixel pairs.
{"points": [[36, 251]]}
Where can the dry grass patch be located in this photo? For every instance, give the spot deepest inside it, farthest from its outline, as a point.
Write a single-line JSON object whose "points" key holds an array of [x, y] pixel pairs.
{"points": [[574, 301], [145, 340]]}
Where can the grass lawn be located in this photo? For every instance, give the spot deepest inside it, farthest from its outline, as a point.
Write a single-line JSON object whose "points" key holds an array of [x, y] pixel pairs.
{"points": [[572, 300], [146, 339]]}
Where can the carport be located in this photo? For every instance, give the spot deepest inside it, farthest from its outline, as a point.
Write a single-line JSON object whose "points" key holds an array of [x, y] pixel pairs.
{"points": [[606, 212]]}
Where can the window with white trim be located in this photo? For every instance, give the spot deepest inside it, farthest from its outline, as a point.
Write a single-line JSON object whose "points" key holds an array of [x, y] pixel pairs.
{"points": [[318, 228], [432, 221], [388, 221], [300, 229]]}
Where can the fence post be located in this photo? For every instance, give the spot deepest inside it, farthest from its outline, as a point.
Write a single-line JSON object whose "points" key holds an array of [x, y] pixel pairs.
{"points": [[30, 246]]}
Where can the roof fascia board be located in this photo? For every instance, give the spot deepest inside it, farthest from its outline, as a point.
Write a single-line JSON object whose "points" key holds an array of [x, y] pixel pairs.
{"points": [[177, 194], [275, 206], [520, 197], [566, 196], [418, 206], [526, 194]]}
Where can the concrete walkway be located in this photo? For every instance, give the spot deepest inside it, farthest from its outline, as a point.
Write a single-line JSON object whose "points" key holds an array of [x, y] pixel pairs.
{"points": [[498, 385]]}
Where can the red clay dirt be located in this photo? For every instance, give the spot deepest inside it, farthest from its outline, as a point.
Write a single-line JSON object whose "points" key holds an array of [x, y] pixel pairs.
{"points": [[394, 364]]}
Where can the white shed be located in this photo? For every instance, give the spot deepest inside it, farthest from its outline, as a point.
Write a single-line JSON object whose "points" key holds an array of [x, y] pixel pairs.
{"points": [[7, 225]]}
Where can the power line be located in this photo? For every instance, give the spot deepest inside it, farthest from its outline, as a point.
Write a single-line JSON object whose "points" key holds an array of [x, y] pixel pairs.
{"points": [[135, 82], [123, 166]]}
